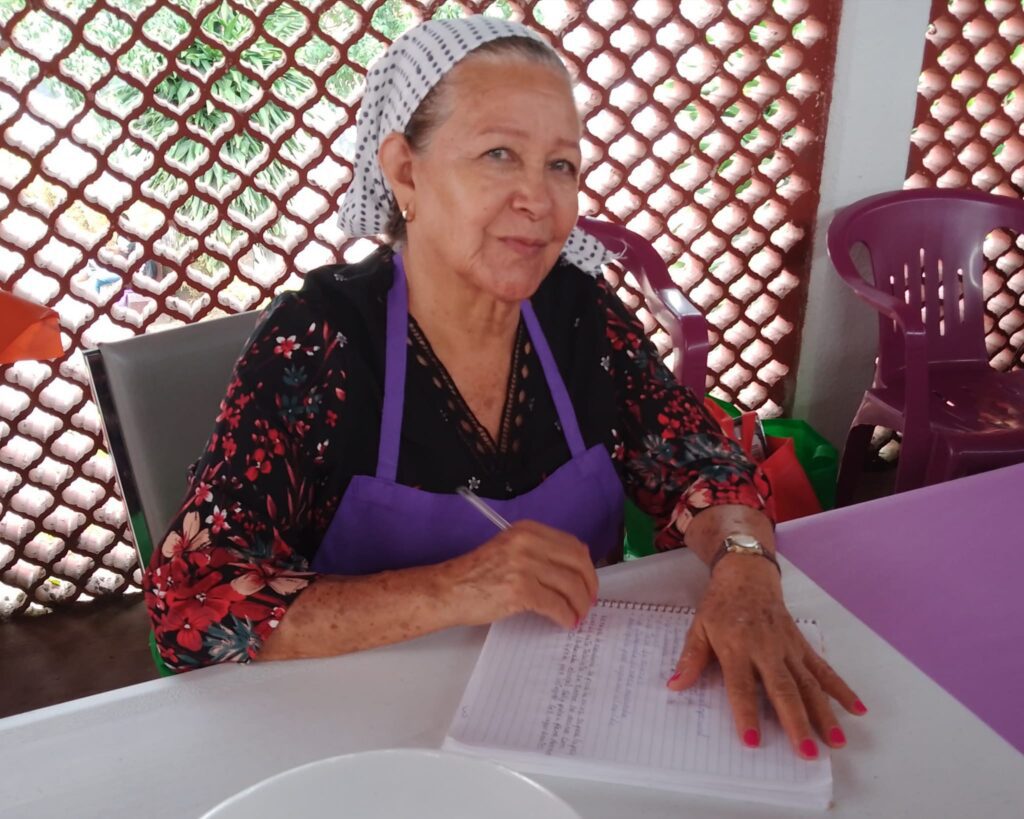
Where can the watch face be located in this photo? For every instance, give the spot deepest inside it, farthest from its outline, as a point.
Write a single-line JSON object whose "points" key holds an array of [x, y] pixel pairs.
{"points": [[743, 543]]}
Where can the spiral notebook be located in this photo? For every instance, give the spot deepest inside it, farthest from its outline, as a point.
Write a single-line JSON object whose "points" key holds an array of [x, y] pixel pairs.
{"points": [[592, 704]]}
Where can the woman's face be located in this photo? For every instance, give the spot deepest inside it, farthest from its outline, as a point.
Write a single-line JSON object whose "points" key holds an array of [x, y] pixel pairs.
{"points": [[495, 188]]}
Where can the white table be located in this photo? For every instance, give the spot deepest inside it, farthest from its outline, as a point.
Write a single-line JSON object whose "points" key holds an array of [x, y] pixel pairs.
{"points": [[176, 747]]}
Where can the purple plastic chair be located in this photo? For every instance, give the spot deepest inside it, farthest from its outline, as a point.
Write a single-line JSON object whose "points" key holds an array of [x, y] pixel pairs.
{"points": [[684, 323], [932, 380]]}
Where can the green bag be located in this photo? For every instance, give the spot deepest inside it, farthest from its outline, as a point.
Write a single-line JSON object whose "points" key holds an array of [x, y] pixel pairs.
{"points": [[817, 456], [639, 537]]}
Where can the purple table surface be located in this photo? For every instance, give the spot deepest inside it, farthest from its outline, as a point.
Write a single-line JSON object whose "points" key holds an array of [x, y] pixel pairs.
{"points": [[939, 574]]}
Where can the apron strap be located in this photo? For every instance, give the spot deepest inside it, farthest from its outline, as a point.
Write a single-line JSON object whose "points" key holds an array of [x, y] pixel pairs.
{"points": [[395, 357], [559, 392]]}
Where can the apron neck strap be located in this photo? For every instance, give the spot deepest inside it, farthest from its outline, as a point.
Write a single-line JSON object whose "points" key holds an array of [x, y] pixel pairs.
{"points": [[559, 392], [395, 359], [395, 356]]}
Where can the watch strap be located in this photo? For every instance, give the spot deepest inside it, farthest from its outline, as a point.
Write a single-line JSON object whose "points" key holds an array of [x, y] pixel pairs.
{"points": [[724, 550]]}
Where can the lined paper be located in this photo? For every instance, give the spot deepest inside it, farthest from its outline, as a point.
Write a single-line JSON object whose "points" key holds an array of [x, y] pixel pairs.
{"points": [[597, 694]]}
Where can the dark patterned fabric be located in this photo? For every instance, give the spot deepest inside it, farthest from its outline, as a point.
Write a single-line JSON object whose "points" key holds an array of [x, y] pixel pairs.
{"points": [[302, 416]]}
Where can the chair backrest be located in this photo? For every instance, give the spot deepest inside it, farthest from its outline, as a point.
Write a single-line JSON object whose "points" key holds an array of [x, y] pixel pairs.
{"points": [[925, 248], [158, 395], [664, 300]]}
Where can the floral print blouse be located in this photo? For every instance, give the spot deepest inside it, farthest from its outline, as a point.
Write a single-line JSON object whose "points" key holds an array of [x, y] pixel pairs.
{"points": [[302, 417]]}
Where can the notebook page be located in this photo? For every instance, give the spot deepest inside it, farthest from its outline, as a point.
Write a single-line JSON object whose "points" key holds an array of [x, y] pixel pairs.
{"points": [[598, 694]]}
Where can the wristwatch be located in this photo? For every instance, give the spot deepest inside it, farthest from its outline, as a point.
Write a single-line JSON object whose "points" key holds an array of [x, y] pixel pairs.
{"points": [[743, 545]]}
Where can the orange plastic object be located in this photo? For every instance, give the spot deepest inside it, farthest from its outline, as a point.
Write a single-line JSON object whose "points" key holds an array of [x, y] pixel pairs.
{"points": [[27, 330]]}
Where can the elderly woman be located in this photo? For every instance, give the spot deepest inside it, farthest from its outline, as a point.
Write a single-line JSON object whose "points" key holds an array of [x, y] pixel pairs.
{"points": [[479, 348]]}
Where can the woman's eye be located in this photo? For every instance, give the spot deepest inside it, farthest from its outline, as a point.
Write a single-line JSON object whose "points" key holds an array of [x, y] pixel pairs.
{"points": [[565, 166], [499, 153]]}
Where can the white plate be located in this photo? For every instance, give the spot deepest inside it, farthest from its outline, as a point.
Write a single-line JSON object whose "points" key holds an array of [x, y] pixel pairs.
{"points": [[396, 784]]}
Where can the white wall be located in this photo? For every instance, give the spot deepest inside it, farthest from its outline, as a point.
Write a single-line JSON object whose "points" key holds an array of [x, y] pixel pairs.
{"points": [[878, 60]]}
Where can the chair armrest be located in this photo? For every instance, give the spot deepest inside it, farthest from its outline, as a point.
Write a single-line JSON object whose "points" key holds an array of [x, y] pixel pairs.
{"points": [[689, 332]]}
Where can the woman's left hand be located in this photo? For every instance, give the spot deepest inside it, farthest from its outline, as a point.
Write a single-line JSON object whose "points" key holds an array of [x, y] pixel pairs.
{"points": [[743, 622]]}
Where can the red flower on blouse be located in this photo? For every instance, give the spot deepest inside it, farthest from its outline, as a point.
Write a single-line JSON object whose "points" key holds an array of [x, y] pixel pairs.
{"points": [[191, 610], [260, 465], [218, 520], [286, 346], [203, 494], [229, 414]]}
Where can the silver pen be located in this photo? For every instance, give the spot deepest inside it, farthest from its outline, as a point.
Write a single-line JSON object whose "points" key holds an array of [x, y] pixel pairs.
{"points": [[482, 507]]}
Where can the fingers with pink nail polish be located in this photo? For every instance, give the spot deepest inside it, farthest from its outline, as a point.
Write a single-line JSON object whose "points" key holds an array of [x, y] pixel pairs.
{"points": [[809, 749], [836, 737]]}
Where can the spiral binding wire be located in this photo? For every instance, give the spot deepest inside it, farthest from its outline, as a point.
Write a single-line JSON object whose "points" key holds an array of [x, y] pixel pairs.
{"points": [[665, 608], [635, 606]]}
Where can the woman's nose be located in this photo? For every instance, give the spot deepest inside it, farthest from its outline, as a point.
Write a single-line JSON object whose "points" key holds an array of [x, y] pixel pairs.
{"points": [[533, 194]]}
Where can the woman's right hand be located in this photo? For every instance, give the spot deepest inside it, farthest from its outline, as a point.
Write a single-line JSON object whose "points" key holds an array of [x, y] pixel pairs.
{"points": [[527, 567]]}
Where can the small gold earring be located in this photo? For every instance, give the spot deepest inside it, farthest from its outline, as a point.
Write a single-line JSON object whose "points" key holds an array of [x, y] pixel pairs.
{"points": [[407, 214]]}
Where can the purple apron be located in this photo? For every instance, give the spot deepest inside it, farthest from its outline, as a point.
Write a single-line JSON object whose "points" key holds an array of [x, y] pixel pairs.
{"points": [[381, 524]]}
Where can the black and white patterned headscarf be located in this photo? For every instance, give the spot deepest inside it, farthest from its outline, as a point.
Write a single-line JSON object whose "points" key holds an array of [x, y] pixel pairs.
{"points": [[395, 87]]}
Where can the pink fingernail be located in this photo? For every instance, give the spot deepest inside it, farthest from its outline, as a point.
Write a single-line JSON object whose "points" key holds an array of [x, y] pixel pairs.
{"points": [[836, 736], [752, 738], [859, 707], [809, 749], [674, 677]]}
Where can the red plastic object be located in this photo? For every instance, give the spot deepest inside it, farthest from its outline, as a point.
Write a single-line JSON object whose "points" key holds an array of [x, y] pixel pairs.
{"points": [[27, 330], [932, 380], [683, 322]]}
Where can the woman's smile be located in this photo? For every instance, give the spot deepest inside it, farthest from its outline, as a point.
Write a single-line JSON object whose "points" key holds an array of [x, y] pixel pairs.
{"points": [[525, 247]]}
